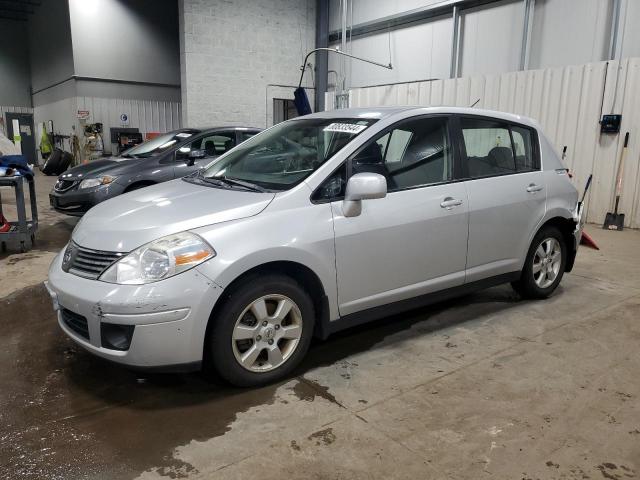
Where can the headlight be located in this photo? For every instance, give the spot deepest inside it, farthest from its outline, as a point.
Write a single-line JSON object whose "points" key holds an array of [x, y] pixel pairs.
{"points": [[95, 182], [160, 259]]}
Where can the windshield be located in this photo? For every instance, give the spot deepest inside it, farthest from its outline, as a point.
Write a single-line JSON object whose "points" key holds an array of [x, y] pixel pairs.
{"points": [[159, 144], [286, 154]]}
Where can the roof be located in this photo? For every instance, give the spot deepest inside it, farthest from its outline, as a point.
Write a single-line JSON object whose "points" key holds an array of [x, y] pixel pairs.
{"points": [[384, 112]]}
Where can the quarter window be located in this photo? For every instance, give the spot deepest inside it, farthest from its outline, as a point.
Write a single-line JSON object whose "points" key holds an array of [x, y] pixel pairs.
{"points": [[523, 148], [415, 153]]}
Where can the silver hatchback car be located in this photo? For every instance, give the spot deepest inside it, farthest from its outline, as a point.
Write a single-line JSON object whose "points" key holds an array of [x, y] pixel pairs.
{"points": [[317, 224]]}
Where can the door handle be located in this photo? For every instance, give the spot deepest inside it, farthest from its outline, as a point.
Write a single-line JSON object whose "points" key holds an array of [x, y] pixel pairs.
{"points": [[533, 188], [450, 202]]}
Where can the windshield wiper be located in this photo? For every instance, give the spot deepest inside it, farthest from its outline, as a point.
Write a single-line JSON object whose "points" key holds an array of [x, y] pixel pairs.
{"points": [[240, 183]]}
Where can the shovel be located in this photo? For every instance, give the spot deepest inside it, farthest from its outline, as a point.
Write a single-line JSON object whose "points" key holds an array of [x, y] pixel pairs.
{"points": [[615, 220]]}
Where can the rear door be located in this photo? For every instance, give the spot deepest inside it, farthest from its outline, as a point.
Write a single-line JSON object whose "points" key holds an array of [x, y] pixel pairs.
{"points": [[413, 241], [507, 196]]}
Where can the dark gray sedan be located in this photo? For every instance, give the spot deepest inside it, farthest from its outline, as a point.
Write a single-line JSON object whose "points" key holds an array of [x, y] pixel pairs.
{"points": [[168, 156]]}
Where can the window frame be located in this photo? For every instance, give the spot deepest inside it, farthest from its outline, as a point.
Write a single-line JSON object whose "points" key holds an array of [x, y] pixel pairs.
{"points": [[452, 137], [508, 125]]}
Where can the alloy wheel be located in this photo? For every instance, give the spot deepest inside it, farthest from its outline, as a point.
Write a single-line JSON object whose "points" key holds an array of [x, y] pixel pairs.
{"points": [[267, 333], [547, 261]]}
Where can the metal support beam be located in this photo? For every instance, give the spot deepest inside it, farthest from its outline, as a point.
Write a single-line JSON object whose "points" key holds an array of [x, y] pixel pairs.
{"points": [[322, 57], [615, 23], [455, 42], [416, 15], [526, 34]]}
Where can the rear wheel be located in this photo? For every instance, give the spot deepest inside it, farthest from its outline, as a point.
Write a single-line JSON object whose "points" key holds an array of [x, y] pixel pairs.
{"points": [[262, 331], [544, 265]]}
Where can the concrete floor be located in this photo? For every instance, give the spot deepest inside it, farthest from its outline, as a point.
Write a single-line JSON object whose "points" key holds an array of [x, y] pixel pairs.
{"points": [[486, 386]]}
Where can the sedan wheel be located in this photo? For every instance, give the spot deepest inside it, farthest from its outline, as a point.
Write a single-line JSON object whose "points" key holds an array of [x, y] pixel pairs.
{"points": [[267, 333], [547, 262], [261, 331], [544, 266]]}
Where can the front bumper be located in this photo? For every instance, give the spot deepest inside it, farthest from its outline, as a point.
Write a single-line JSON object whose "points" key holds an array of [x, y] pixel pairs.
{"points": [[169, 317], [77, 202]]}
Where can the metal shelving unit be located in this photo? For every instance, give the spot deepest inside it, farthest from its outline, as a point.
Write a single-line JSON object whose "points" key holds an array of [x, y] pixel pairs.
{"points": [[22, 230]]}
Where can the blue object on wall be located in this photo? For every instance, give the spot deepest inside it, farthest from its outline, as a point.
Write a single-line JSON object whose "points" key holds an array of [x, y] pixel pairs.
{"points": [[301, 101]]}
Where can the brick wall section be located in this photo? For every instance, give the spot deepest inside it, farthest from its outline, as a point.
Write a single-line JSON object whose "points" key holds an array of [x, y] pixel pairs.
{"points": [[232, 50]]}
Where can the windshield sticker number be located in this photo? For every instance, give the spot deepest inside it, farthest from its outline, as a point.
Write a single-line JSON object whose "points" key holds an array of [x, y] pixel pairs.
{"points": [[345, 128], [183, 135]]}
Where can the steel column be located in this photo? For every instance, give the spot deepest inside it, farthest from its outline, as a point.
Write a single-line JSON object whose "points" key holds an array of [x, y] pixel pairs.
{"points": [[455, 42], [526, 34], [615, 23], [322, 57]]}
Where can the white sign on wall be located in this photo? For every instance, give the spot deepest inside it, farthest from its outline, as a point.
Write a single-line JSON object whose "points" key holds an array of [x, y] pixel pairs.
{"points": [[124, 119]]}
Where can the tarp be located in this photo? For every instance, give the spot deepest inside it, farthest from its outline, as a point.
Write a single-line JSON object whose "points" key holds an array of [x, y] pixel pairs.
{"points": [[14, 165]]}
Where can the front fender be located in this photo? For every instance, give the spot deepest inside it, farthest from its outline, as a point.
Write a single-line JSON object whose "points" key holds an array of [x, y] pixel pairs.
{"points": [[303, 236]]}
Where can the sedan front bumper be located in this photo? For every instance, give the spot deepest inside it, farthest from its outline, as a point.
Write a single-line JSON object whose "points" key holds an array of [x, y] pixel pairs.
{"points": [[166, 320], [77, 202]]}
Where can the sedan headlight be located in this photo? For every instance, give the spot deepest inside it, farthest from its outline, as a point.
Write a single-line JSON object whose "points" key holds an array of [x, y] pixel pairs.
{"points": [[160, 259], [95, 182]]}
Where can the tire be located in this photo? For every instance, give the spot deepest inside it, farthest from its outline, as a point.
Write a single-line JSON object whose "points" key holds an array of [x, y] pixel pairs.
{"points": [[238, 332], [541, 274]]}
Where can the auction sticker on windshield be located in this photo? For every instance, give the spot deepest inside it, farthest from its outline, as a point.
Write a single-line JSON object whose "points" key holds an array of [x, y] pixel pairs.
{"points": [[183, 135], [344, 127]]}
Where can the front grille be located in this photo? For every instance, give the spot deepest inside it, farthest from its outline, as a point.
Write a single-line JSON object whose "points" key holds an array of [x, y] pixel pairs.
{"points": [[75, 322], [89, 263], [64, 185]]}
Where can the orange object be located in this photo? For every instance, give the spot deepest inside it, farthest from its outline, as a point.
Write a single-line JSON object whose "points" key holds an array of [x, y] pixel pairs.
{"points": [[588, 242], [187, 258], [150, 135], [5, 226]]}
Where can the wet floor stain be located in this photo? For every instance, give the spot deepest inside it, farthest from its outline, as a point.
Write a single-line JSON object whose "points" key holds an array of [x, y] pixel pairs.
{"points": [[323, 437], [67, 414]]}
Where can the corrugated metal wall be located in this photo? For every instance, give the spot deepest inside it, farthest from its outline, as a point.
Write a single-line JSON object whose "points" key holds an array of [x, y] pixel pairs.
{"points": [[146, 115], [567, 102]]}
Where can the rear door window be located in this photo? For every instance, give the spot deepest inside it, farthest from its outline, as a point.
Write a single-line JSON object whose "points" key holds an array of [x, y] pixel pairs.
{"points": [[488, 146]]}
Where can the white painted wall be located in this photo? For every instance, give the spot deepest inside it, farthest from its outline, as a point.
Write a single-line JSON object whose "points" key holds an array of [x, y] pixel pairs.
{"points": [[491, 38], [431, 60], [567, 32], [232, 50], [567, 102], [564, 32]]}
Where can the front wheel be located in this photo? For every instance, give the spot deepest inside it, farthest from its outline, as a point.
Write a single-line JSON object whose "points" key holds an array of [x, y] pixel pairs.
{"points": [[262, 331], [544, 266]]}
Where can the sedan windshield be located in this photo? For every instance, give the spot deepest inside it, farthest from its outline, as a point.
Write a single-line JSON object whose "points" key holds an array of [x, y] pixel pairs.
{"points": [[159, 144], [286, 154]]}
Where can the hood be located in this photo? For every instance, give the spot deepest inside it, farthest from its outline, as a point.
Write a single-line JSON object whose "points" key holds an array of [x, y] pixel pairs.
{"points": [[128, 221], [107, 166]]}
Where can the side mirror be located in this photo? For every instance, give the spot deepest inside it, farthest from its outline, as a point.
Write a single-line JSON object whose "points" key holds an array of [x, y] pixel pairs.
{"points": [[362, 186], [195, 155]]}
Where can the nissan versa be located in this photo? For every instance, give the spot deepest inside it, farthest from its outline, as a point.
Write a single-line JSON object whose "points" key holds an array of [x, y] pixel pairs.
{"points": [[319, 223], [172, 155]]}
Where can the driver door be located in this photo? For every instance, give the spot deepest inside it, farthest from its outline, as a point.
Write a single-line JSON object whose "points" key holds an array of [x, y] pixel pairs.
{"points": [[413, 241], [212, 145]]}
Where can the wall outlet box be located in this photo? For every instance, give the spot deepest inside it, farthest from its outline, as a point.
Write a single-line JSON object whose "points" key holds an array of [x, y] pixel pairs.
{"points": [[610, 123]]}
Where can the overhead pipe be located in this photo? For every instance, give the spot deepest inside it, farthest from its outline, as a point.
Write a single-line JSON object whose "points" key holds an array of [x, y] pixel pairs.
{"points": [[336, 50]]}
